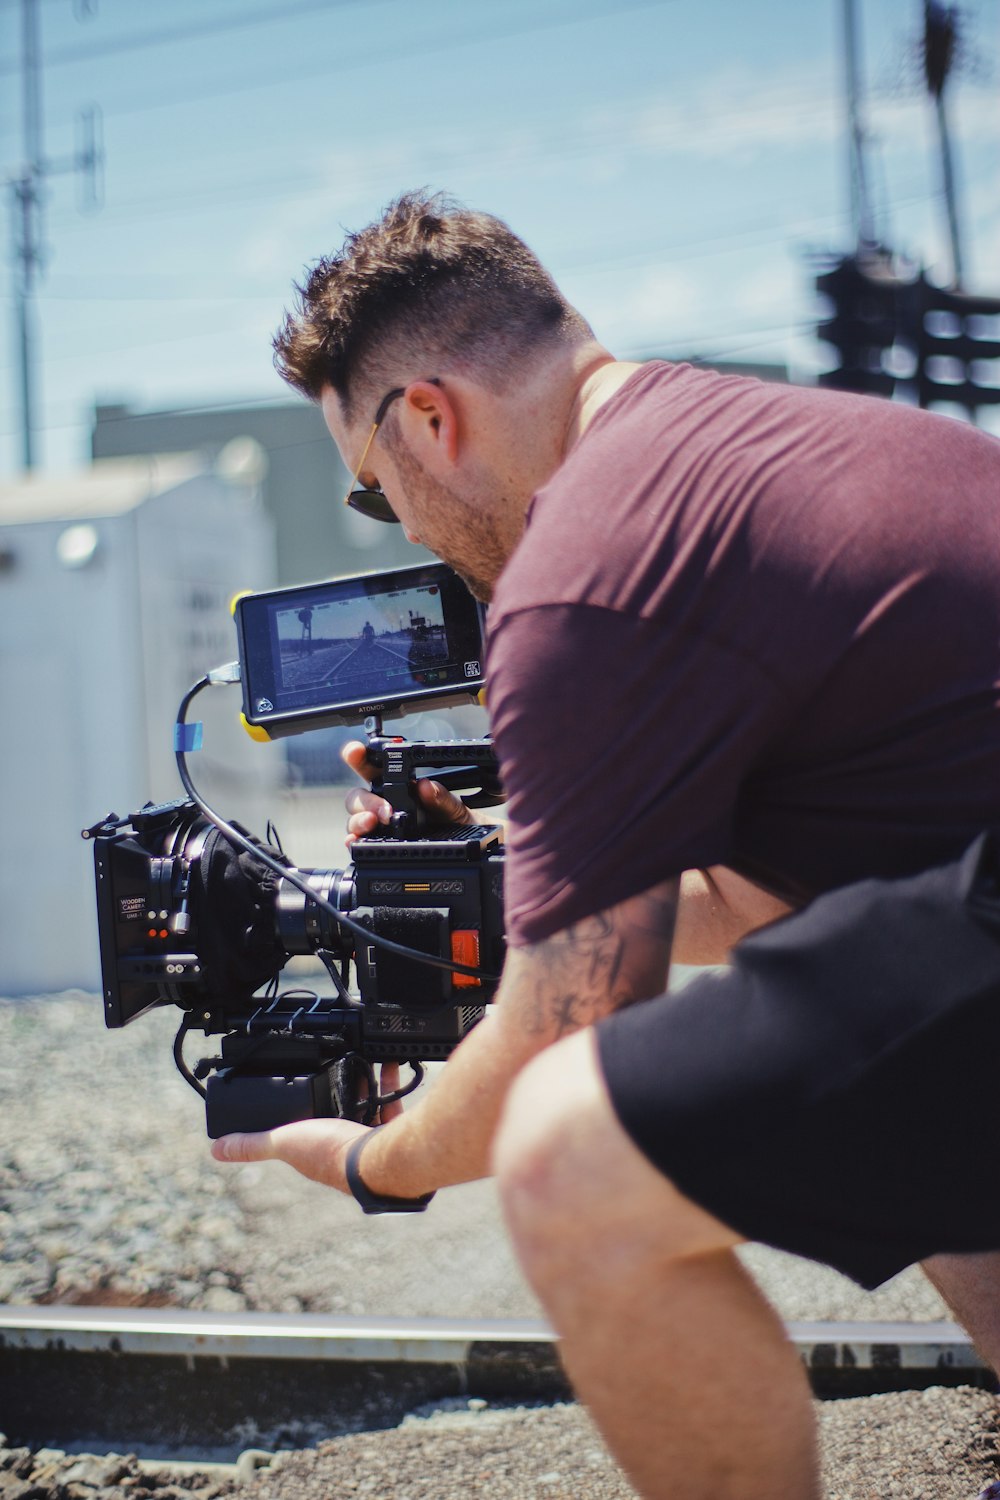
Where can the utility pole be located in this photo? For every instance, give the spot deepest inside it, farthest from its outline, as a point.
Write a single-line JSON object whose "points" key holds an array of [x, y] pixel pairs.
{"points": [[861, 211], [859, 287], [26, 189], [941, 36], [26, 220], [875, 304]]}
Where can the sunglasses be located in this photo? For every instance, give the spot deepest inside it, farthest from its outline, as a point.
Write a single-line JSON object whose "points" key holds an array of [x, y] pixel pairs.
{"points": [[372, 502]]}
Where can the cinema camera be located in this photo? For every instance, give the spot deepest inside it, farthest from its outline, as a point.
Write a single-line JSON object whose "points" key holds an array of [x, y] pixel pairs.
{"points": [[195, 912]]}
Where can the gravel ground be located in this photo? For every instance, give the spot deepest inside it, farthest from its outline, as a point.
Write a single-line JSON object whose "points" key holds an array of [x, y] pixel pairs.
{"points": [[927, 1445], [108, 1196]]}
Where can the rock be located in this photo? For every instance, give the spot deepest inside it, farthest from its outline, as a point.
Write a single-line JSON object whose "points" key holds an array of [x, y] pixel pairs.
{"points": [[16, 1461], [98, 1471]]}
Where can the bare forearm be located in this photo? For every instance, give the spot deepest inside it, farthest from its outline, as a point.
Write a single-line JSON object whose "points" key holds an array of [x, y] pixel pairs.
{"points": [[445, 1137], [549, 989], [569, 981]]}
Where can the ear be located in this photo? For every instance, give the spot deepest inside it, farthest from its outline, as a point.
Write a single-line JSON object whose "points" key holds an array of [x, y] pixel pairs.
{"points": [[430, 422]]}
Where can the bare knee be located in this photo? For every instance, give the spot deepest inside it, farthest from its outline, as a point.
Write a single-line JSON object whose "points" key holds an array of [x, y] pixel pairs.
{"points": [[576, 1191], [539, 1143]]}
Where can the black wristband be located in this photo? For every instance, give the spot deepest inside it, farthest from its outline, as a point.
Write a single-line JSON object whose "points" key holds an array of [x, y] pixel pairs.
{"points": [[376, 1203]]}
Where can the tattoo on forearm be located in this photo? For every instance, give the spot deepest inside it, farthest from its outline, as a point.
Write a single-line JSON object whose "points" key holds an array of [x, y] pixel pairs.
{"points": [[600, 964]]}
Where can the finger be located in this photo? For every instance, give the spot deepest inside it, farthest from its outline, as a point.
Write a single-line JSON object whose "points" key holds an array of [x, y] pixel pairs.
{"points": [[367, 811], [444, 804], [314, 1147], [358, 801], [355, 755], [253, 1146], [388, 1084], [360, 825]]}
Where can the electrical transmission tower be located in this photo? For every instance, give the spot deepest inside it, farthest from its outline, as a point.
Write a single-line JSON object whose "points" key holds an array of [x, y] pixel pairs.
{"points": [[25, 188]]}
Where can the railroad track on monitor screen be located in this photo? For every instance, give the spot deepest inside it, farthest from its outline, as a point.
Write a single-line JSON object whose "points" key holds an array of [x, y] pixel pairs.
{"points": [[171, 1380]]}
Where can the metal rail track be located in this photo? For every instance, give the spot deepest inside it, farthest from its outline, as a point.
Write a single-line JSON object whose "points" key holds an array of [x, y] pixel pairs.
{"points": [[458, 1343], [175, 1381]]}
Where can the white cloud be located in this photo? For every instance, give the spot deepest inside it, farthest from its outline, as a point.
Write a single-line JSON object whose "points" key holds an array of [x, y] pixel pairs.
{"points": [[734, 116]]}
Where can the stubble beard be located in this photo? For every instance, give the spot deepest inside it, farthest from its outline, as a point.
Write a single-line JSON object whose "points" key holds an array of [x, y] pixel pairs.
{"points": [[481, 549]]}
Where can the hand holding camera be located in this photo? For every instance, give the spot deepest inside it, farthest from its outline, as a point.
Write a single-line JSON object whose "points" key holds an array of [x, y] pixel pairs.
{"points": [[368, 811], [194, 912]]}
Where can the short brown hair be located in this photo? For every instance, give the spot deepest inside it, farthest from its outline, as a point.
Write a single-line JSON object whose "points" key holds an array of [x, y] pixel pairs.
{"points": [[429, 282]]}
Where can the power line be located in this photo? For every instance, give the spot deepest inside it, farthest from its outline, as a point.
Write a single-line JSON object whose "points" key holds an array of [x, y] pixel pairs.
{"points": [[767, 231], [574, 143], [16, 4], [169, 34], [569, 142], [778, 333], [652, 255], [529, 144], [383, 55]]}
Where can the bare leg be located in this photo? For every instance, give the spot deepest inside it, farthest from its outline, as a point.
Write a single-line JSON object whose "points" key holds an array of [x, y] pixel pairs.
{"points": [[970, 1284], [684, 1366]]}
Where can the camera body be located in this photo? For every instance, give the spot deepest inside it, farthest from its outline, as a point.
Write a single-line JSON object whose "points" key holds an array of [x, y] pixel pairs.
{"points": [[194, 912], [186, 920]]}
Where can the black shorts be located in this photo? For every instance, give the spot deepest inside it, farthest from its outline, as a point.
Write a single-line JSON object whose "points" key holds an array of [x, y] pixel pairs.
{"points": [[836, 1091]]}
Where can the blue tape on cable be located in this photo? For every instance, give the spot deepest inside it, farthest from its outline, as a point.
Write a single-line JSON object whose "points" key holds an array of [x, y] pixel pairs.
{"points": [[188, 736]]}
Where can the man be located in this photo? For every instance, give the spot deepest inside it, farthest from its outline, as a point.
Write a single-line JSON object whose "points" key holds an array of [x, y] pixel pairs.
{"points": [[744, 635]]}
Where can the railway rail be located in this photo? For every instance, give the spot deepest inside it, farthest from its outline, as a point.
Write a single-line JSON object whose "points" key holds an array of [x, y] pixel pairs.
{"points": [[163, 1381]]}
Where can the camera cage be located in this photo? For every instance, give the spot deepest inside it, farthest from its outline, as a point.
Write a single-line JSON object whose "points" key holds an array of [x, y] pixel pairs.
{"points": [[295, 1054]]}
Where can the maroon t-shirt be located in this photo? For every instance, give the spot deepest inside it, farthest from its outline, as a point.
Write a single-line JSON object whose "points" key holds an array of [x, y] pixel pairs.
{"points": [[749, 625]]}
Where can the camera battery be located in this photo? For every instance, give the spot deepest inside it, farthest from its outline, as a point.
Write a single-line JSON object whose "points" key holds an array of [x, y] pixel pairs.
{"points": [[251, 1102]]}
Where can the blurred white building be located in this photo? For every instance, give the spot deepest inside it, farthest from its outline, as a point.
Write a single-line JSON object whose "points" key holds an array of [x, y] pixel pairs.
{"points": [[115, 586]]}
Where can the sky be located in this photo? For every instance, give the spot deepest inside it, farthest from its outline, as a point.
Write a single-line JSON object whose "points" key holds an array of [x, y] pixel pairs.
{"points": [[676, 166]]}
